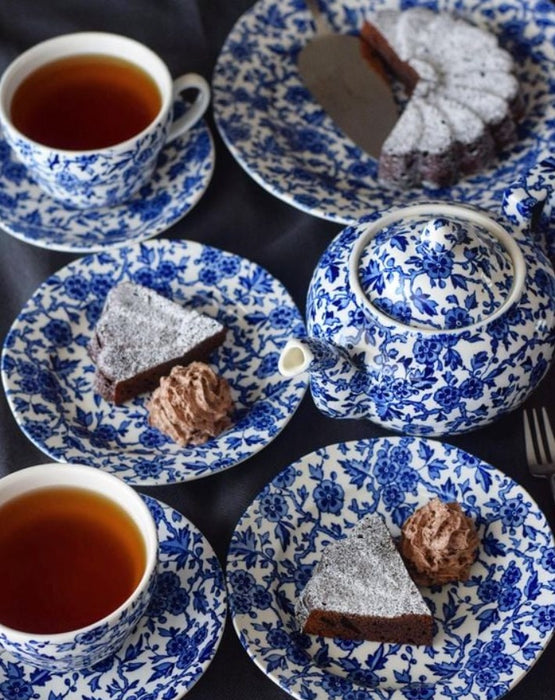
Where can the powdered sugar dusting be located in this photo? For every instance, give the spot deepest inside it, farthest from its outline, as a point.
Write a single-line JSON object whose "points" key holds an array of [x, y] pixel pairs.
{"points": [[166, 330], [459, 65], [362, 574]]}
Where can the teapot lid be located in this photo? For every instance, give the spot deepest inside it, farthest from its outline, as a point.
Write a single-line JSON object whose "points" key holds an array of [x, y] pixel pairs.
{"points": [[437, 266]]}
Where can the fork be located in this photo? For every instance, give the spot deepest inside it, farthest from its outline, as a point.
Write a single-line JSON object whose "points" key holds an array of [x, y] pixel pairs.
{"points": [[540, 446]]}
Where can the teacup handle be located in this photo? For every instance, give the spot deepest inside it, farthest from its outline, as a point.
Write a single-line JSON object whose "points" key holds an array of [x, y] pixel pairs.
{"points": [[196, 109]]}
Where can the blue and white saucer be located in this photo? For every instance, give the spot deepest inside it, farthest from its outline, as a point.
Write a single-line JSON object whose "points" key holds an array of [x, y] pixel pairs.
{"points": [[183, 174], [48, 374], [489, 630], [173, 644], [280, 135]]}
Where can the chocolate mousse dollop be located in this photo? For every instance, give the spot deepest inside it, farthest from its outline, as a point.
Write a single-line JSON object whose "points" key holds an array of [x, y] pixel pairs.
{"points": [[191, 405], [438, 543]]}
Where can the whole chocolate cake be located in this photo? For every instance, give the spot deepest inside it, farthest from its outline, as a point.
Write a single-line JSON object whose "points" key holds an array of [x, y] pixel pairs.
{"points": [[463, 101], [141, 335], [361, 589]]}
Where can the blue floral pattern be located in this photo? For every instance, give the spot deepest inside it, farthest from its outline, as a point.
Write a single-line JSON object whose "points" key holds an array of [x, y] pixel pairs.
{"points": [[489, 630], [48, 375], [182, 175], [421, 380], [289, 145], [172, 645]]}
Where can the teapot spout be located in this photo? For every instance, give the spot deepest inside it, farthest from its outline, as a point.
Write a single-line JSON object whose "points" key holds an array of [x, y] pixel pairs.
{"points": [[529, 202], [338, 385], [314, 355]]}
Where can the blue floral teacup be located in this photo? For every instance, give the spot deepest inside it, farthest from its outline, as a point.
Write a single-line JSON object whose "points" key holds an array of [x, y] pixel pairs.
{"points": [[79, 552], [108, 172]]}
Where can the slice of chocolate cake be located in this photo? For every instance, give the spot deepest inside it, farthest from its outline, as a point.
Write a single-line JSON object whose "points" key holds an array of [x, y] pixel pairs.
{"points": [[361, 589], [141, 335]]}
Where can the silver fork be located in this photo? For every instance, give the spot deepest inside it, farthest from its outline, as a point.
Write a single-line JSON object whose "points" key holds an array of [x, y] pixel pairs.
{"points": [[539, 443]]}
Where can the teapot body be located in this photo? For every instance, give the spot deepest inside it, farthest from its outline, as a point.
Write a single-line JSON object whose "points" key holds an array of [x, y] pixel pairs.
{"points": [[427, 381]]}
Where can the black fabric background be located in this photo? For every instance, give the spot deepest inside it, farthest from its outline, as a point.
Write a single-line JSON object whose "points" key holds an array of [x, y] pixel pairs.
{"points": [[235, 214]]}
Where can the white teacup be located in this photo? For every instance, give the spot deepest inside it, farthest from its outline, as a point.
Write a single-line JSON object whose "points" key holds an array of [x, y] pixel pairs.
{"points": [[63, 494], [107, 175]]}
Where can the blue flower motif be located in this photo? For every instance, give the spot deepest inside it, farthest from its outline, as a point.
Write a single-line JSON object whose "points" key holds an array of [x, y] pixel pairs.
{"points": [[509, 598], [278, 639], [145, 469], [513, 512], [282, 317], [16, 689], [548, 560], [58, 332], [268, 365], [488, 590], [76, 287], [544, 618], [447, 396], [427, 350], [329, 496], [182, 646], [273, 507]]}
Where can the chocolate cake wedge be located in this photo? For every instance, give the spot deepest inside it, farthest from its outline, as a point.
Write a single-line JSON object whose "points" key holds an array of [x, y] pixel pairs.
{"points": [[141, 335], [361, 589]]}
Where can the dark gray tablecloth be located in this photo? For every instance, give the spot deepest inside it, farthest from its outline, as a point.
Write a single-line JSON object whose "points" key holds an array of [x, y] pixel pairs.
{"points": [[235, 214]]}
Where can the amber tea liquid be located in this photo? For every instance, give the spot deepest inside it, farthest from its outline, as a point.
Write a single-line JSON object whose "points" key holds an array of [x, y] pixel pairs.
{"points": [[68, 558], [85, 102]]}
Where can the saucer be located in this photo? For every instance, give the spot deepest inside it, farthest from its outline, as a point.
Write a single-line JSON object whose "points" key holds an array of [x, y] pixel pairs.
{"points": [[48, 374], [289, 145], [184, 171], [489, 630], [173, 644]]}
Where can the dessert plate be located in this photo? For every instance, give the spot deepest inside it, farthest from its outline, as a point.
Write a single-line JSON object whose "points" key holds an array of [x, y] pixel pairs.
{"points": [[48, 375], [183, 174], [489, 630], [173, 644], [289, 145]]}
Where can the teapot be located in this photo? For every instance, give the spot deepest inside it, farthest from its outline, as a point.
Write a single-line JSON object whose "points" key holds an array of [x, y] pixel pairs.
{"points": [[434, 318]]}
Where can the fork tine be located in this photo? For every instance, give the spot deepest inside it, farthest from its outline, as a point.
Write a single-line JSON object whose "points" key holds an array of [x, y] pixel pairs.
{"points": [[548, 435], [528, 444], [539, 439]]}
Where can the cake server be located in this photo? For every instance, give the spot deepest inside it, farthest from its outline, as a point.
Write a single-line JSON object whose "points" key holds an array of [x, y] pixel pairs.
{"points": [[356, 96]]}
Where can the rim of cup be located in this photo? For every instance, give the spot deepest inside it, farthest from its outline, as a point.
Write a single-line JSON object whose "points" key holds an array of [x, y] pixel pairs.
{"points": [[75, 44], [77, 475]]}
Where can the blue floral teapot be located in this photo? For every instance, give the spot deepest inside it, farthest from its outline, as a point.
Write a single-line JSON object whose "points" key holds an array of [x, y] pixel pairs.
{"points": [[435, 318]]}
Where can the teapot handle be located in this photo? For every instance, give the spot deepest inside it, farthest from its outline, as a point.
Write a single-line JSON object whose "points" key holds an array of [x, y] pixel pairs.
{"points": [[529, 203]]}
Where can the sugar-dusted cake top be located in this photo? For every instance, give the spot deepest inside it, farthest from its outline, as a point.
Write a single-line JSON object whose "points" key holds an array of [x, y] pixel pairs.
{"points": [[362, 574], [465, 78], [140, 329]]}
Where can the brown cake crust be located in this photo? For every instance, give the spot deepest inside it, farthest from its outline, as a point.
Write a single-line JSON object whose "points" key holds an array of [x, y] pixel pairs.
{"points": [[119, 392], [141, 335], [404, 629]]}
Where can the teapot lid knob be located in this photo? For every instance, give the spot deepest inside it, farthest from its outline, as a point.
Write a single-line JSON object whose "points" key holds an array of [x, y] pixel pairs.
{"points": [[440, 234]]}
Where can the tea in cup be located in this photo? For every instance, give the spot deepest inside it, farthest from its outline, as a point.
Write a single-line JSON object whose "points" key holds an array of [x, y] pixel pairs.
{"points": [[88, 114], [79, 551]]}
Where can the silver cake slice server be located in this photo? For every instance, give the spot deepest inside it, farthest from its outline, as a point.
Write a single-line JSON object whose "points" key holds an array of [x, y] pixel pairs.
{"points": [[357, 97]]}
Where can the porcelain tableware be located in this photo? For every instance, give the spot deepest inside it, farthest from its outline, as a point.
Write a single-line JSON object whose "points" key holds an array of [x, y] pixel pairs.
{"points": [[172, 645], [88, 645], [489, 630], [109, 175], [433, 318]]}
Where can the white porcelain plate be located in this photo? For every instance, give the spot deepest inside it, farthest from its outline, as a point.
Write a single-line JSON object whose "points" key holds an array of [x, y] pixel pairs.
{"points": [[48, 375], [184, 171], [171, 647], [488, 630], [289, 145]]}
